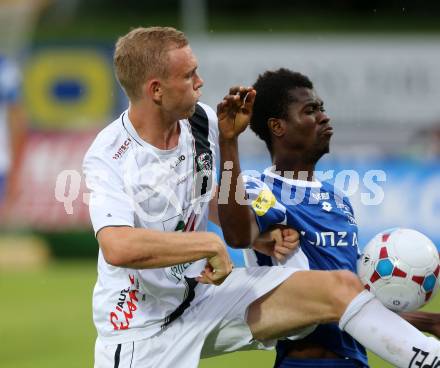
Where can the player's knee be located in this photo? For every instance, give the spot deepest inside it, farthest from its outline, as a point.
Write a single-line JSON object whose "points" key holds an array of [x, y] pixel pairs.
{"points": [[345, 286]]}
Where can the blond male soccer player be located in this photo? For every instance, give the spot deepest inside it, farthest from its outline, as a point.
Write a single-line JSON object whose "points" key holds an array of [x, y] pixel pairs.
{"points": [[166, 294]]}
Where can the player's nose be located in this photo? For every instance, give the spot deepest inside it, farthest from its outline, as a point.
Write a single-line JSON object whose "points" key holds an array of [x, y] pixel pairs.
{"points": [[199, 82], [324, 119]]}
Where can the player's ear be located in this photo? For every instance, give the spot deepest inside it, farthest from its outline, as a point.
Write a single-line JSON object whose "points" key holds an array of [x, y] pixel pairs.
{"points": [[277, 126], [154, 90]]}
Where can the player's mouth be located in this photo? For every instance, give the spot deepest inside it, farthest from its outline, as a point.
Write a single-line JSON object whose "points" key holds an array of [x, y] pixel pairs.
{"points": [[328, 131]]}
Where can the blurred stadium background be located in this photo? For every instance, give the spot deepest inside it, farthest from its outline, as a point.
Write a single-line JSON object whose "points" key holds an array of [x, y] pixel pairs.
{"points": [[375, 64]]}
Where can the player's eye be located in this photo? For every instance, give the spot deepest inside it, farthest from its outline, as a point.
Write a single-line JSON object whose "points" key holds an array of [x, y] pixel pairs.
{"points": [[191, 74]]}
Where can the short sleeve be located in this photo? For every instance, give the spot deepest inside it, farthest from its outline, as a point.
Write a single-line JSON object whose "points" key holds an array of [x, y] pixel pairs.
{"points": [[268, 211], [109, 205]]}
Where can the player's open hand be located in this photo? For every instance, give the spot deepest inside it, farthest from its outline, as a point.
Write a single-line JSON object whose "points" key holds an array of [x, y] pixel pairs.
{"points": [[235, 111], [278, 243], [217, 268]]}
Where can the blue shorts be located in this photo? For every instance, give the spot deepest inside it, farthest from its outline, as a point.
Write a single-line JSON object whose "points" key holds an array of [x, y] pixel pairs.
{"points": [[313, 363]]}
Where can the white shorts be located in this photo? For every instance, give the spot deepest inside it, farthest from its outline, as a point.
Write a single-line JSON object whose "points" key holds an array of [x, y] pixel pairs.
{"points": [[214, 326]]}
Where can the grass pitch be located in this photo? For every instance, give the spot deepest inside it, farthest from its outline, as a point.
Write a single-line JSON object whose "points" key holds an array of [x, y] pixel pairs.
{"points": [[47, 321]]}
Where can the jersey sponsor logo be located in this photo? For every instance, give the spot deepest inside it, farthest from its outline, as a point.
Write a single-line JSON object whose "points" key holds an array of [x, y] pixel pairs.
{"points": [[203, 179], [177, 161], [204, 163], [424, 359], [331, 238], [122, 149], [321, 196], [264, 202], [326, 206], [126, 306], [176, 273]]}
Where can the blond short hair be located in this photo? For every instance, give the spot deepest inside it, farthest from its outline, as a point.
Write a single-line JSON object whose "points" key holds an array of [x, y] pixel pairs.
{"points": [[142, 54]]}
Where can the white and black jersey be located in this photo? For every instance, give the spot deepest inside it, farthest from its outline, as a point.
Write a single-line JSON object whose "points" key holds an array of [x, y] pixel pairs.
{"points": [[135, 184]]}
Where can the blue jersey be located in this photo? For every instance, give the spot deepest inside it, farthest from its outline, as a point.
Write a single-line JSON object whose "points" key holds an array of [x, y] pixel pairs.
{"points": [[328, 241]]}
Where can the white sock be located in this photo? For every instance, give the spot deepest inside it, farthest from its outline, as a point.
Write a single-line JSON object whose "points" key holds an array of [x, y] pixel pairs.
{"points": [[388, 335]]}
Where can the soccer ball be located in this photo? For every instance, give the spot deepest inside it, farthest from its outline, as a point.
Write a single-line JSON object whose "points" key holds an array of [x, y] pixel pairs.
{"points": [[401, 268]]}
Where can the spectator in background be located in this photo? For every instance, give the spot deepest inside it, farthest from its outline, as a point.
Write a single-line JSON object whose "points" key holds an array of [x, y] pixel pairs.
{"points": [[12, 131]]}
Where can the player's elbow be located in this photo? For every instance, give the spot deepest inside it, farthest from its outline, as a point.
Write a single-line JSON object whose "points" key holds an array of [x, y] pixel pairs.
{"points": [[238, 235], [115, 247], [239, 229], [112, 254], [237, 240]]}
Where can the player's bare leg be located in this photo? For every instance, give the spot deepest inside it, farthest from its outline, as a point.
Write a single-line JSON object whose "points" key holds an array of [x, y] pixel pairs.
{"points": [[310, 297], [304, 299]]}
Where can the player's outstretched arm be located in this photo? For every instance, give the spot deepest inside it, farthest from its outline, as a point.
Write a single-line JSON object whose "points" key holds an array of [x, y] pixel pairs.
{"points": [[124, 246], [237, 220], [424, 321]]}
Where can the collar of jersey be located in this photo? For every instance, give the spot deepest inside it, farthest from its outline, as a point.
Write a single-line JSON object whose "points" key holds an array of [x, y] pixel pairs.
{"points": [[295, 182], [132, 132]]}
